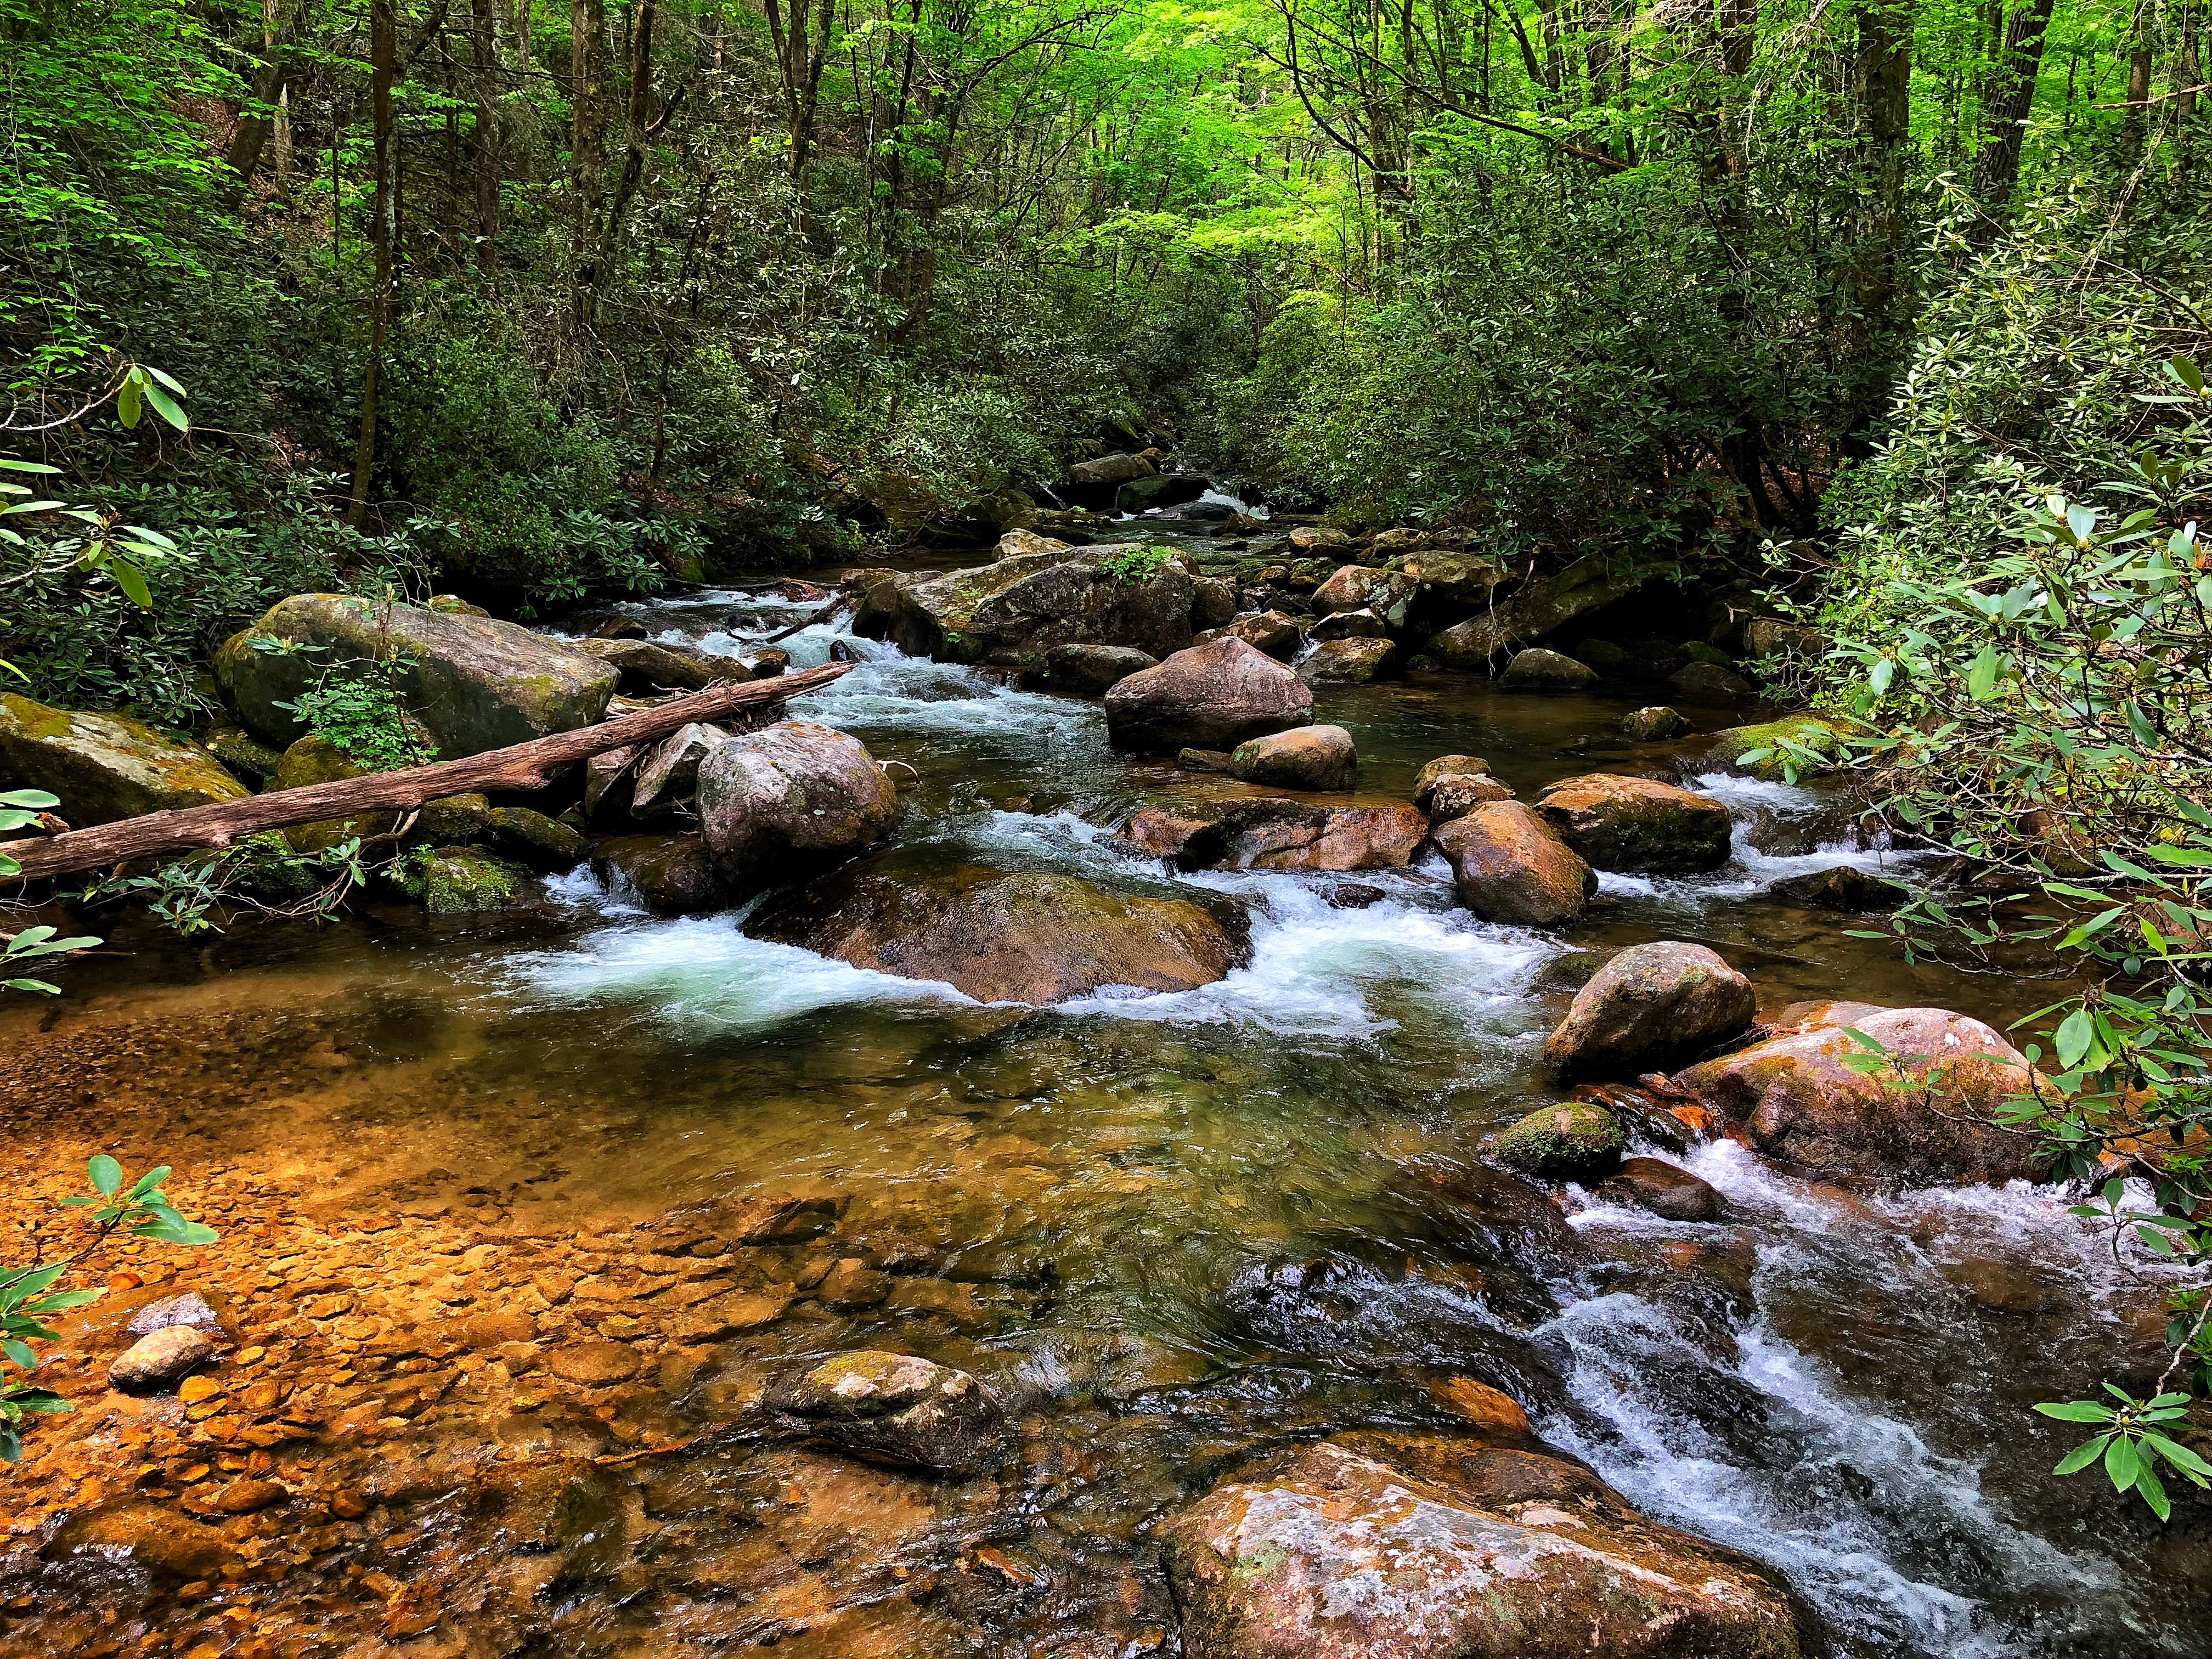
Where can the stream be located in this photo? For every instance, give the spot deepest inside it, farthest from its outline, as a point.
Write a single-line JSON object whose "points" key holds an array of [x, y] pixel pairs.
{"points": [[1171, 1229]]}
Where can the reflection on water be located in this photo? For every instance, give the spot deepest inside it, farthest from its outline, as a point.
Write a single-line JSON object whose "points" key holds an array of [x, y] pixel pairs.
{"points": [[1122, 1180]]}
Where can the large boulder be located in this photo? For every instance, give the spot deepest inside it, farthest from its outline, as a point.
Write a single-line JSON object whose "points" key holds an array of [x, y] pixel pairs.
{"points": [[1638, 824], [1270, 834], [1346, 662], [1454, 575], [1542, 605], [1539, 670], [898, 1409], [475, 684], [1001, 936], [789, 795], [1509, 866], [1797, 1099], [1014, 611], [1303, 757], [668, 771], [1387, 594], [1214, 696], [314, 760], [1651, 1007], [1117, 468], [649, 668], [105, 767], [1275, 632], [1484, 1553]]}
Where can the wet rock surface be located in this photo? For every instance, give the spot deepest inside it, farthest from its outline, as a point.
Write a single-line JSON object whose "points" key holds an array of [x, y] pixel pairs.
{"points": [[1318, 757], [1214, 695], [1638, 824], [790, 795], [1275, 834], [1508, 865], [898, 1409], [1651, 1007]]}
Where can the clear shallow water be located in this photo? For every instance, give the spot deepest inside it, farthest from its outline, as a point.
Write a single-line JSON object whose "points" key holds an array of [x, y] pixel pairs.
{"points": [[1828, 1382]]}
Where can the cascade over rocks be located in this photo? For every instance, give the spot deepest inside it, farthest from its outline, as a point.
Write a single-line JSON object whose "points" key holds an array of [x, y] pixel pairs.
{"points": [[1319, 757], [1509, 866], [1797, 1100], [106, 767], [896, 1409], [1638, 824], [673, 875], [1651, 1007], [1274, 833], [476, 684], [1331, 1553], [788, 795], [1210, 697], [1001, 936], [1669, 1192]]}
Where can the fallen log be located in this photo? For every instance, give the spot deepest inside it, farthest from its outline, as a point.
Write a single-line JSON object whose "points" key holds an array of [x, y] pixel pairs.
{"points": [[521, 766]]}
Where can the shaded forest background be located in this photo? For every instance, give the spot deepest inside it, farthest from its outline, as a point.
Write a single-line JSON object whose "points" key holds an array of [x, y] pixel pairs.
{"points": [[533, 300]]}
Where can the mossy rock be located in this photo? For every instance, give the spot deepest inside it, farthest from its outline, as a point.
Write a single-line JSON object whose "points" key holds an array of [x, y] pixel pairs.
{"points": [[453, 820], [1731, 743], [244, 754], [264, 868], [1573, 1140], [104, 767], [542, 843], [459, 880], [317, 760], [1699, 651], [1601, 655]]}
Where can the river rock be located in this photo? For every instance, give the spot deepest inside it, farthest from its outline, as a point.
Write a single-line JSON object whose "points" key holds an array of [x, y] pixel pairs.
{"points": [[160, 1360], [1669, 1193], [1274, 833], [1384, 594], [1214, 696], [190, 1309], [1276, 633], [1456, 796], [1455, 575], [1001, 936], [1346, 662], [1542, 607], [790, 795], [649, 668], [171, 1545], [105, 767], [1092, 671], [1538, 670], [476, 684], [1843, 887], [1212, 602], [545, 844], [1637, 824], [459, 880], [1509, 866], [1444, 766], [608, 777], [896, 1409], [314, 760], [1574, 1140], [1113, 468], [671, 875], [1014, 611], [1331, 1553], [1800, 1103], [1303, 757], [1711, 679], [668, 771], [1348, 625], [1651, 1007], [1653, 724]]}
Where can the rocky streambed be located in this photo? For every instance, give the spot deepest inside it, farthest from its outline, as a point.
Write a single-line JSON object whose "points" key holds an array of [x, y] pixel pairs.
{"points": [[1082, 1227]]}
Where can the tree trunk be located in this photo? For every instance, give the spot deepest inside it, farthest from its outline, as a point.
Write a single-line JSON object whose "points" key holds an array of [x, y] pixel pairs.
{"points": [[587, 58], [2012, 85], [521, 766], [1885, 47], [384, 213], [638, 133], [486, 44], [2139, 68]]}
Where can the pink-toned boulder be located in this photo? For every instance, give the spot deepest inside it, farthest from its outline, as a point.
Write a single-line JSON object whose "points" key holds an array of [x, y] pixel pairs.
{"points": [[1214, 696], [1798, 1101], [1509, 867]]}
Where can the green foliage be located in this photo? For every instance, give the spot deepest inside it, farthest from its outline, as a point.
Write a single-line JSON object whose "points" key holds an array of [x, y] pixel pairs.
{"points": [[140, 1208], [1137, 564], [356, 706], [2130, 1440]]}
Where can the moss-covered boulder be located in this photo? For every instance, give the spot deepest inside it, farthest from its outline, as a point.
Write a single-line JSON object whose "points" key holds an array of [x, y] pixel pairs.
{"points": [[315, 760], [1573, 1140], [541, 842], [1653, 724], [243, 754], [105, 767], [458, 880], [1785, 742], [476, 684]]}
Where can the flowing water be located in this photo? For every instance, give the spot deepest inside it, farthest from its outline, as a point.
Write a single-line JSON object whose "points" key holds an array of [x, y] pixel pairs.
{"points": [[1174, 1228]]}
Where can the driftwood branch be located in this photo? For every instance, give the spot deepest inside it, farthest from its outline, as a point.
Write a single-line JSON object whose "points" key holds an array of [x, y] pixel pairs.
{"points": [[523, 766]]}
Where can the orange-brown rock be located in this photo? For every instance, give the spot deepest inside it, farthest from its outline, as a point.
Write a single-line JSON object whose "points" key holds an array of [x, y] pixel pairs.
{"points": [[1509, 867]]}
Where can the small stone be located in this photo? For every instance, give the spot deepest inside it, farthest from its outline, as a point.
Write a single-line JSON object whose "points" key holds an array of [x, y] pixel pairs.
{"points": [[1478, 1403], [898, 1409], [190, 1309], [1539, 670], [159, 1359], [348, 1505], [244, 1497], [594, 1365], [853, 1284], [193, 1389]]}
